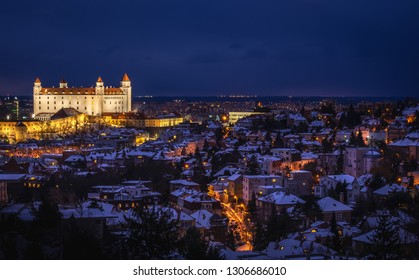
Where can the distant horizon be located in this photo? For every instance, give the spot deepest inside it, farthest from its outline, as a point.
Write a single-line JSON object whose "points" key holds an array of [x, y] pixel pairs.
{"points": [[221, 97], [226, 94]]}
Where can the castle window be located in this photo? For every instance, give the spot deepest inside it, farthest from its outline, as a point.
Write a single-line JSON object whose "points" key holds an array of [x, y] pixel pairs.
{"points": [[47, 108], [62, 102], [39, 102], [39, 107]]}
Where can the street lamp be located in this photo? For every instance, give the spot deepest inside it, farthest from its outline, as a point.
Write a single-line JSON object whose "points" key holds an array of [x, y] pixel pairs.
{"points": [[235, 197]]}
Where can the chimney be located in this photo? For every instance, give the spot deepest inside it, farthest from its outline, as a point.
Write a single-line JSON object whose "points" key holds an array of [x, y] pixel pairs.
{"points": [[342, 197]]}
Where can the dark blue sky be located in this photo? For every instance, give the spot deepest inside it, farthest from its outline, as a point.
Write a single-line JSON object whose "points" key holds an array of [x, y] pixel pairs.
{"points": [[210, 47]]}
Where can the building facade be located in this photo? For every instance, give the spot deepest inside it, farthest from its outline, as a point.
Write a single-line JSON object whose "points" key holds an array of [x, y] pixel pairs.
{"points": [[252, 182], [233, 117], [92, 101], [359, 161]]}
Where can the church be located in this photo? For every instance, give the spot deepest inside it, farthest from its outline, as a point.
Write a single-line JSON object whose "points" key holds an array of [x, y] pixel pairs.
{"points": [[93, 101]]}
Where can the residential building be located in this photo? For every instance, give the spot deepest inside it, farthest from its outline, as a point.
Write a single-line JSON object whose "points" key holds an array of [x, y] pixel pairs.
{"points": [[280, 200], [330, 182], [359, 161], [251, 182], [330, 207]]}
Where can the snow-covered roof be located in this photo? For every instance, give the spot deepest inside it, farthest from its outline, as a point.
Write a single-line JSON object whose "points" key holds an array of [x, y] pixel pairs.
{"points": [[372, 153], [201, 197], [85, 210], [307, 156], [202, 218], [75, 158], [268, 158], [281, 198], [390, 188], [410, 110], [11, 177], [404, 237], [363, 179], [242, 253], [329, 204], [292, 247], [317, 124], [184, 183], [12, 209], [405, 143], [225, 169], [184, 192], [234, 177], [343, 178], [261, 176], [413, 136]]}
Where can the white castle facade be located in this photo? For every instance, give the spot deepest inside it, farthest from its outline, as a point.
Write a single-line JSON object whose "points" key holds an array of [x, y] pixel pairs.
{"points": [[92, 101]]}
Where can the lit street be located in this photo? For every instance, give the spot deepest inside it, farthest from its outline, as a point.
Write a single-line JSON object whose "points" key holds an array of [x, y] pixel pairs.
{"points": [[241, 228]]}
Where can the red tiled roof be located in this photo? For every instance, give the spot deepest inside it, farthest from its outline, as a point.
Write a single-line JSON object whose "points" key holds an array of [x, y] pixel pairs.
{"points": [[125, 78]]}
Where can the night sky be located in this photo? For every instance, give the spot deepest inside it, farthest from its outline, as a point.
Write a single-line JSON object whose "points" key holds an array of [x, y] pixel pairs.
{"points": [[209, 47]]}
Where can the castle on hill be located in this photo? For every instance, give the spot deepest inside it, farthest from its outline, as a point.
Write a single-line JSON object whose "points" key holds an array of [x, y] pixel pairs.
{"points": [[93, 101]]}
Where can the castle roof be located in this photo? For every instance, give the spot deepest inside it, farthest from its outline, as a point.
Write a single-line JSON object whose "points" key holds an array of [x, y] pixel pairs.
{"points": [[20, 124], [37, 80], [99, 80], [113, 91], [64, 113], [79, 91], [66, 91], [63, 81], [125, 78]]}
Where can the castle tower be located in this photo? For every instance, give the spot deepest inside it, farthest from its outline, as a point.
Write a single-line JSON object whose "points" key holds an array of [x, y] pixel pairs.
{"points": [[100, 91], [36, 91], [63, 84], [126, 88], [37, 86]]}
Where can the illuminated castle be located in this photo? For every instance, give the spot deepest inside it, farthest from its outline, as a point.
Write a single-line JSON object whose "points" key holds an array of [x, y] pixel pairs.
{"points": [[92, 101]]}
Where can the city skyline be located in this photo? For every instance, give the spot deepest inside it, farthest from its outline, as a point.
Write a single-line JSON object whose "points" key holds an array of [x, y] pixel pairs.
{"points": [[294, 48]]}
